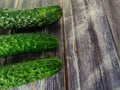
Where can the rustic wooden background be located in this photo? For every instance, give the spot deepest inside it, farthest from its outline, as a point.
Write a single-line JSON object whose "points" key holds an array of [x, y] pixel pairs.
{"points": [[89, 36]]}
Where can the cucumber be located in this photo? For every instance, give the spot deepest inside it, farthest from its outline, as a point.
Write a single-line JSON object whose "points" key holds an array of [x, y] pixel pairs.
{"points": [[13, 44], [22, 73], [26, 18]]}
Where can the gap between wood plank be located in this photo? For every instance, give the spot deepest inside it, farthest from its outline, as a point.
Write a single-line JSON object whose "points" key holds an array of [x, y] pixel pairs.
{"points": [[64, 48]]}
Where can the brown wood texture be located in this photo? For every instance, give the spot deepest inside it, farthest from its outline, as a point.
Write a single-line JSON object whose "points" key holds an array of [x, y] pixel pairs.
{"points": [[89, 38]]}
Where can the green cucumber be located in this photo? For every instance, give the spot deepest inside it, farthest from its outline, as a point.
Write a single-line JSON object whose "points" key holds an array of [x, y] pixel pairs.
{"points": [[26, 18], [13, 44], [22, 73]]}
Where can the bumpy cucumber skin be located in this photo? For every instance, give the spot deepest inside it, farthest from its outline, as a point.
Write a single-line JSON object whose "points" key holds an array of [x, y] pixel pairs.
{"points": [[24, 43], [26, 72], [15, 19]]}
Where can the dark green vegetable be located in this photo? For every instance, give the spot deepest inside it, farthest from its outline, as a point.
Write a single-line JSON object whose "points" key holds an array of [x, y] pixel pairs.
{"points": [[24, 43], [15, 19], [22, 73]]}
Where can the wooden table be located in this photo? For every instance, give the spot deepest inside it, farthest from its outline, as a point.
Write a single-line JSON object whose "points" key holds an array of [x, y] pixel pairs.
{"points": [[89, 45]]}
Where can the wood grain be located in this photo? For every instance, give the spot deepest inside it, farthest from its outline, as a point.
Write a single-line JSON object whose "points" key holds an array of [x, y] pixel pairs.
{"points": [[92, 60], [112, 8], [89, 38]]}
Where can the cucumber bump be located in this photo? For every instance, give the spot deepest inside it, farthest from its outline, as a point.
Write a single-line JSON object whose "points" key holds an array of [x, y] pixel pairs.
{"points": [[13, 44], [22, 73], [26, 18]]}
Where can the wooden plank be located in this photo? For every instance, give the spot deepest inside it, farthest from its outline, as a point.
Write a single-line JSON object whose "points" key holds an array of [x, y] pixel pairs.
{"points": [[112, 8], [2, 3], [57, 82], [92, 60]]}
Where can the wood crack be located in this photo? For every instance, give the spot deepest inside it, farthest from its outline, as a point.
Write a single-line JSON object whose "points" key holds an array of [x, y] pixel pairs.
{"points": [[64, 49]]}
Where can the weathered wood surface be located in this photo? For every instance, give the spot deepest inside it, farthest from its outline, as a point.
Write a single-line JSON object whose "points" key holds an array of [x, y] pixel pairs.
{"points": [[92, 59], [112, 9], [89, 39]]}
